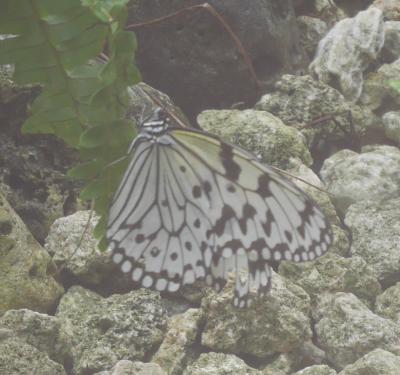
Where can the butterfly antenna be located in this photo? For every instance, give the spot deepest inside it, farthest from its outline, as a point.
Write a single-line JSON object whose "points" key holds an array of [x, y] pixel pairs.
{"points": [[281, 171]]}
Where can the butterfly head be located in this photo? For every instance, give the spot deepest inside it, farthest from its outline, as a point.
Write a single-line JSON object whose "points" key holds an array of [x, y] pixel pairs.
{"points": [[156, 123]]}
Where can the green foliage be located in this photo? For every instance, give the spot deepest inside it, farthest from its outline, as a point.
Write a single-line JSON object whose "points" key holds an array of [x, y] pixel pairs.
{"points": [[55, 44], [395, 85]]}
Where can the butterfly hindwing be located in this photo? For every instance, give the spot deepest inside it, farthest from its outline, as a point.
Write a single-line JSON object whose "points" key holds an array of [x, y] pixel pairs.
{"points": [[191, 206]]}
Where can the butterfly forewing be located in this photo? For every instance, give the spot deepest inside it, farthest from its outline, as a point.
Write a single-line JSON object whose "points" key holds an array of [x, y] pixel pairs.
{"points": [[191, 206]]}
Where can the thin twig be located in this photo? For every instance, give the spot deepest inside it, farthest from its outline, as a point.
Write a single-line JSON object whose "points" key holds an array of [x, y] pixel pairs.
{"points": [[319, 120], [225, 25]]}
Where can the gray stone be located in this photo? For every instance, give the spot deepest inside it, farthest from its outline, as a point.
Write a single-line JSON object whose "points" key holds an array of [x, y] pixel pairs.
{"points": [[17, 358], [377, 362], [26, 269], [316, 370], [288, 363], [74, 248], [352, 177], [375, 227], [391, 48], [125, 367], [333, 273], [283, 364], [379, 95], [347, 329], [219, 364], [105, 330], [43, 332], [389, 8], [278, 322], [348, 49], [301, 101], [312, 30], [32, 170], [388, 303], [260, 132], [391, 124], [181, 334], [328, 11]]}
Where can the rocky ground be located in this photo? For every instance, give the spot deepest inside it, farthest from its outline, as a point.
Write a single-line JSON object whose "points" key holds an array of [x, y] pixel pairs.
{"points": [[65, 309]]}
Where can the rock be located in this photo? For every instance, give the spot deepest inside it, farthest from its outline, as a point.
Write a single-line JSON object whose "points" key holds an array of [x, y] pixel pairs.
{"points": [[347, 329], [18, 357], [389, 8], [105, 330], [387, 304], [219, 364], [32, 169], [328, 11], [26, 269], [376, 362], [312, 30], [347, 51], [288, 363], [391, 48], [259, 132], [333, 273], [301, 101], [379, 95], [125, 367], [316, 370], [195, 44], [283, 364], [40, 331], [180, 336], [277, 323], [352, 177], [375, 227], [74, 248], [391, 124]]}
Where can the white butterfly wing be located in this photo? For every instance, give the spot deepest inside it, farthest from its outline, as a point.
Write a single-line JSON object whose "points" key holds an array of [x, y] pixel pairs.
{"points": [[191, 206]]}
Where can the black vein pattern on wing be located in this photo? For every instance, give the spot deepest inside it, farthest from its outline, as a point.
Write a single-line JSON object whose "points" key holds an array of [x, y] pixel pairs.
{"points": [[169, 173], [286, 187], [135, 161], [209, 255]]}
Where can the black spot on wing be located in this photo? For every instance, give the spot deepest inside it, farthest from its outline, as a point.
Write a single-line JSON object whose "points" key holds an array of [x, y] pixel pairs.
{"points": [[263, 186], [306, 217], [228, 213], [232, 169], [230, 188], [139, 238], [266, 225], [288, 236], [207, 187], [196, 191]]}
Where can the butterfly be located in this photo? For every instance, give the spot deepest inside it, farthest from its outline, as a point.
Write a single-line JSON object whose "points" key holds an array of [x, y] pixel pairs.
{"points": [[191, 206]]}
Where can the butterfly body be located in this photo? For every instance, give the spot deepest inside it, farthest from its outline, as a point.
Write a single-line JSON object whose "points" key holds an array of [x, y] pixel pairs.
{"points": [[191, 206]]}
